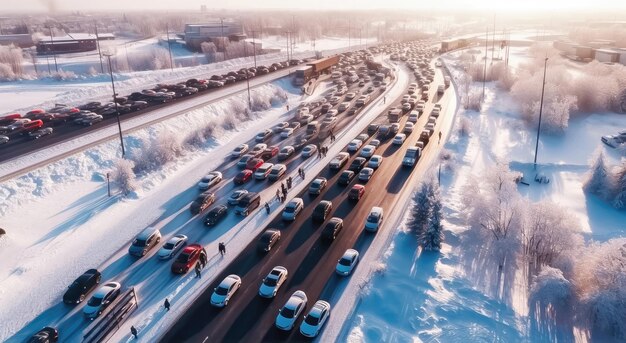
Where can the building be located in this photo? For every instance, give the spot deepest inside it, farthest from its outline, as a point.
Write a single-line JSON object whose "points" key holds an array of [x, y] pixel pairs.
{"points": [[607, 56], [20, 40], [622, 57], [196, 34], [583, 52], [72, 42], [567, 48]]}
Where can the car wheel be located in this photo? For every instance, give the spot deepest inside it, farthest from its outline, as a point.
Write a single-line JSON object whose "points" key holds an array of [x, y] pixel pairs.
{"points": [[225, 302], [81, 298], [98, 279]]}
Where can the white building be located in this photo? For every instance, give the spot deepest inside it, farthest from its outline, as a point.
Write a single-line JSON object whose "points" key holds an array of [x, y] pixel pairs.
{"points": [[607, 56]]}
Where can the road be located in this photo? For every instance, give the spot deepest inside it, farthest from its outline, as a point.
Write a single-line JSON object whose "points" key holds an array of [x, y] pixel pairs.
{"points": [[309, 260]]}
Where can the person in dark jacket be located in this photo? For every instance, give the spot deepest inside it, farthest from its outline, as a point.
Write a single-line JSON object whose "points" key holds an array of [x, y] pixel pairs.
{"points": [[166, 304]]}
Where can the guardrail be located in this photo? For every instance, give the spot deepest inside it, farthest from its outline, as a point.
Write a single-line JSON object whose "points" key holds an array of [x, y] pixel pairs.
{"points": [[107, 325]]}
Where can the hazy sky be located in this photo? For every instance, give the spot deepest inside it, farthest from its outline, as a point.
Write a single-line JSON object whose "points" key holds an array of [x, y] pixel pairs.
{"points": [[136, 5]]}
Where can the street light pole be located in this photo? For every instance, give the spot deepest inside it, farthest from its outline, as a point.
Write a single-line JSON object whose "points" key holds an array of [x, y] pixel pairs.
{"points": [[254, 48], [95, 26], [245, 52], [485, 68], [543, 87], [169, 45], [56, 67], [119, 124]]}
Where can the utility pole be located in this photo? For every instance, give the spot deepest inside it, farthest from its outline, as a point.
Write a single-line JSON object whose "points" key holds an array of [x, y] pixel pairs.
{"points": [[349, 45], [169, 45], [493, 41], [223, 39], [485, 68], [95, 26], [254, 48], [288, 32], [245, 52], [119, 124], [543, 87], [56, 66], [293, 37]]}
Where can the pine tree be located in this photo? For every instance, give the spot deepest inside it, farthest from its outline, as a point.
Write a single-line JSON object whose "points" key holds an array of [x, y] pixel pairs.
{"points": [[620, 186], [421, 209], [433, 236], [598, 179]]}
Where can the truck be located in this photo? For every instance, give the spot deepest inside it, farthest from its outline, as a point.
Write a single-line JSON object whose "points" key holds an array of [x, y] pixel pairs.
{"points": [[411, 156], [441, 89], [314, 69], [303, 75], [446, 81], [394, 115]]}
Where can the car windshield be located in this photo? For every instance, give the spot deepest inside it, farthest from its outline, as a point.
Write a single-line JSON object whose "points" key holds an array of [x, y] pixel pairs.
{"points": [[312, 320], [183, 258], [139, 242], [270, 282], [345, 261], [372, 218], [290, 208], [221, 290], [95, 301], [168, 246], [287, 312]]}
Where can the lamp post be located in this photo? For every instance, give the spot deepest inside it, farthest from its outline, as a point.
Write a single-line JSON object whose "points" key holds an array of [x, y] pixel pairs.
{"points": [[245, 52], [169, 45], [543, 88], [56, 67], [108, 55]]}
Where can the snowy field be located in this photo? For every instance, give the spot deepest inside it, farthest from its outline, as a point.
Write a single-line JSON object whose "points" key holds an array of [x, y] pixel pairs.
{"points": [[415, 295]]}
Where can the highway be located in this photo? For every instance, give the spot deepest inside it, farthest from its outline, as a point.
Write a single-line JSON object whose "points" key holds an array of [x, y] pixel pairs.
{"points": [[309, 260]]}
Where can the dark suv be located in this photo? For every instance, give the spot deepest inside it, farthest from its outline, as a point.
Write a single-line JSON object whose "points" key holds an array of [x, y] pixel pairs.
{"points": [[82, 286], [322, 210], [332, 228]]}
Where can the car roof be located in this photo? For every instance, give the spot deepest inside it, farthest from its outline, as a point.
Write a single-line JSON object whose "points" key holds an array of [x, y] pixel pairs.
{"points": [[318, 307], [192, 247], [358, 187], [294, 300], [146, 232], [229, 280], [106, 288]]}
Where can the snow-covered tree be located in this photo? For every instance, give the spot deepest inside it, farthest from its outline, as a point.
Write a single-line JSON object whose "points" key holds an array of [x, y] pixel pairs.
{"points": [[598, 181], [432, 237], [550, 287], [124, 176], [421, 209], [620, 186]]}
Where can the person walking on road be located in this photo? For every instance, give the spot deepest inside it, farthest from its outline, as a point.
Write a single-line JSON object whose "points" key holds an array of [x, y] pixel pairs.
{"points": [[278, 194], [133, 331], [384, 100], [439, 137], [198, 270], [283, 188], [222, 247], [267, 208], [166, 304], [287, 107], [289, 182]]}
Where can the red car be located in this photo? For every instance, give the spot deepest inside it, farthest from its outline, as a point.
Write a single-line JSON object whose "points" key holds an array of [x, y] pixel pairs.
{"points": [[243, 177], [32, 126], [269, 152], [254, 164], [4, 120], [187, 259], [357, 192]]}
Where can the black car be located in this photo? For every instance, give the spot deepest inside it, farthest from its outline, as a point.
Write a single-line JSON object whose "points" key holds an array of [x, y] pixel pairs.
{"points": [[372, 129], [90, 106], [137, 96], [216, 215], [268, 239], [138, 105], [82, 286], [322, 210], [332, 228], [357, 164], [346, 177], [202, 202], [45, 335]]}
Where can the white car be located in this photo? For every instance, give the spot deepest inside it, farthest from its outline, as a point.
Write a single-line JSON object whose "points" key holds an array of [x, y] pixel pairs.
{"points": [[309, 150], [375, 143], [317, 185], [226, 289], [615, 141], [210, 180], [263, 135], [339, 161], [374, 219], [263, 171], [413, 117], [171, 247], [408, 128], [354, 145], [280, 127], [272, 282], [240, 150], [375, 161], [347, 262], [286, 133], [234, 198], [315, 319], [258, 149], [366, 174], [291, 210], [101, 299], [399, 139], [350, 96], [368, 151], [290, 312]]}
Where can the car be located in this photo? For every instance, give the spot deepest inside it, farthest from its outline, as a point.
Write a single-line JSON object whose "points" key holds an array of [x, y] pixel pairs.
{"points": [[331, 113], [286, 152], [315, 319], [357, 164], [368, 151], [363, 137], [280, 127], [45, 335], [277, 171], [375, 161], [235, 196], [83, 285], [332, 228], [375, 143], [317, 185], [270, 152], [225, 290], [4, 139], [263, 135], [347, 262], [243, 177], [202, 202], [254, 164], [354, 145], [171, 247], [366, 174], [101, 299], [268, 239], [615, 141], [40, 133], [413, 117], [289, 313], [263, 171], [295, 125], [350, 96], [210, 180], [339, 161], [258, 149], [240, 150], [292, 209], [408, 128], [374, 219], [216, 214], [343, 106], [346, 177], [394, 128], [309, 150], [188, 258], [322, 210], [272, 282], [243, 161], [287, 133], [91, 119], [399, 139], [372, 129], [356, 192]]}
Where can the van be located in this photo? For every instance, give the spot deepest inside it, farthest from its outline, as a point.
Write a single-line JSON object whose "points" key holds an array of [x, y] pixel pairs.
{"points": [[277, 172], [374, 219], [248, 203], [144, 241]]}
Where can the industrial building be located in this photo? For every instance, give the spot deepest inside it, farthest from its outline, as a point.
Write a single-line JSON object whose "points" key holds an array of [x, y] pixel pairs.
{"points": [[72, 42], [607, 56], [196, 34], [24, 40]]}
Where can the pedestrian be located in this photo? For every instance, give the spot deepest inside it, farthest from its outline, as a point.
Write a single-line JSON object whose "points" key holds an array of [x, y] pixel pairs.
{"points": [[283, 188], [282, 200], [278, 194], [166, 304], [133, 331], [222, 248], [319, 153], [439, 137], [198, 270], [303, 175], [289, 182], [287, 107], [384, 100], [300, 171], [267, 208]]}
